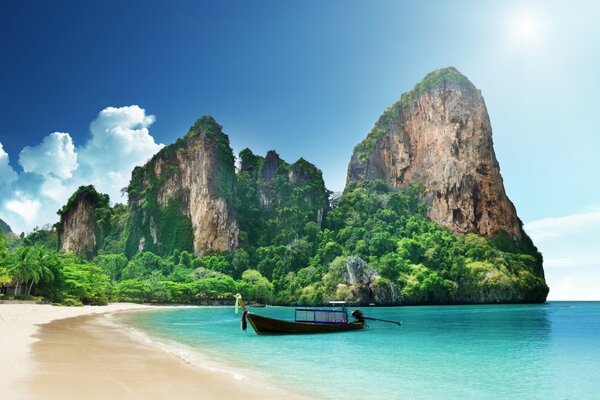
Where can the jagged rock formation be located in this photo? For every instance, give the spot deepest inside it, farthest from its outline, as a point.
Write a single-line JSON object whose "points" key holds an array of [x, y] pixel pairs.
{"points": [[439, 134], [78, 231], [363, 284], [187, 198], [278, 198], [183, 197], [270, 166], [4, 227]]}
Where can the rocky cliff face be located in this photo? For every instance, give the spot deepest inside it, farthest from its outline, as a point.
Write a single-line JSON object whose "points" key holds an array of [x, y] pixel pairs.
{"points": [[4, 227], [182, 198], [77, 229], [439, 134]]}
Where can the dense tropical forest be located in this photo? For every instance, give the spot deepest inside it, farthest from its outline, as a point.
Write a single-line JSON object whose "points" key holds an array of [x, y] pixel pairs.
{"points": [[282, 260]]}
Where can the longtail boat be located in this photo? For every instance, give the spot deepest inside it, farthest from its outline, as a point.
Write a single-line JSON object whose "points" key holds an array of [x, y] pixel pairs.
{"points": [[307, 320]]}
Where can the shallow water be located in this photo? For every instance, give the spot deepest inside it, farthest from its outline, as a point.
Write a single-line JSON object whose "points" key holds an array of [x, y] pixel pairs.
{"points": [[545, 351]]}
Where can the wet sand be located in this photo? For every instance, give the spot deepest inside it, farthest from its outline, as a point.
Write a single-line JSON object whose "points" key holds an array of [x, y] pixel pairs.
{"points": [[88, 358]]}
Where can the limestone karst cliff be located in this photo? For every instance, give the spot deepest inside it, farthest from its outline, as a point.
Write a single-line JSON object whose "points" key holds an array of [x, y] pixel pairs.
{"points": [[183, 197], [188, 197], [78, 230], [439, 134]]}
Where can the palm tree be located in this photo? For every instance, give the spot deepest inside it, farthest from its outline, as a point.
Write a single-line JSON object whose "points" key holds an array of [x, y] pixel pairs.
{"points": [[31, 264], [41, 259], [4, 275], [20, 267]]}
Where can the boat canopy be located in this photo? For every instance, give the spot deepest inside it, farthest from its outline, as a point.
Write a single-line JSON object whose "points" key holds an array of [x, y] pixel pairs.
{"points": [[321, 316]]}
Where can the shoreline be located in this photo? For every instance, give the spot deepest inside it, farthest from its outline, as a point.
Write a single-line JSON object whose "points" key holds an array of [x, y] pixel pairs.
{"points": [[69, 353]]}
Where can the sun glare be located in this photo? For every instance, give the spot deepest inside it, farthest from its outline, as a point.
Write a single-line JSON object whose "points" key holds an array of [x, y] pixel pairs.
{"points": [[525, 28]]}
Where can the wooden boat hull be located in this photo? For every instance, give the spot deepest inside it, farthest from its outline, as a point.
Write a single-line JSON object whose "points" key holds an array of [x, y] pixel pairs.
{"points": [[270, 326]]}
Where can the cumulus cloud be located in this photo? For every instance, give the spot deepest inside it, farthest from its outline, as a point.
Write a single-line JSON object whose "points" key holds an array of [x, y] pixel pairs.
{"points": [[55, 156], [24, 206], [53, 169], [7, 173], [120, 141]]}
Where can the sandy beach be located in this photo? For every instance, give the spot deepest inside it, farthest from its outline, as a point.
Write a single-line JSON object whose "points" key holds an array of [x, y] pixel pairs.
{"points": [[73, 353]]}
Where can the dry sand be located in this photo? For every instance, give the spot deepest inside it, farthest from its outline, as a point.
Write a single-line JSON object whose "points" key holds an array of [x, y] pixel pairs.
{"points": [[87, 358], [18, 324]]}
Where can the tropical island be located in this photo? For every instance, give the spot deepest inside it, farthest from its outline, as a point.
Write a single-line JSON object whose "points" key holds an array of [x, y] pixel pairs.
{"points": [[424, 219]]}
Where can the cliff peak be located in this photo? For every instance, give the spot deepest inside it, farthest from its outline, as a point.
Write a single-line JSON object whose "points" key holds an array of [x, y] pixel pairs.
{"points": [[439, 134], [271, 165], [444, 79], [206, 125]]}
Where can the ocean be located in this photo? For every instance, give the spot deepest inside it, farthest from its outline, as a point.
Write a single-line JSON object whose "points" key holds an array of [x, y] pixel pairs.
{"points": [[541, 351]]}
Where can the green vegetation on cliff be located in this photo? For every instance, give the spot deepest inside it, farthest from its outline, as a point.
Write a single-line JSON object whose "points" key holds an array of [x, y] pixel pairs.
{"points": [[296, 244], [88, 194], [275, 199], [389, 230], [160, 229]]}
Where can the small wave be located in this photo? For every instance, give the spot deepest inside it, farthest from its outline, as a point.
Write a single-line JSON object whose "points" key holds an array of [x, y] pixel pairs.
{"points": [[187, 354]]}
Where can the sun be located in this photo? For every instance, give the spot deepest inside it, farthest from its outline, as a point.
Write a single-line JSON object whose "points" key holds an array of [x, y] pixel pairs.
{"points": [[526, 27]]}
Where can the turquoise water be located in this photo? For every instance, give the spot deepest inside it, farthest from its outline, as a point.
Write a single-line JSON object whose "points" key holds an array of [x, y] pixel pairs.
{"points": [[546, 351]]}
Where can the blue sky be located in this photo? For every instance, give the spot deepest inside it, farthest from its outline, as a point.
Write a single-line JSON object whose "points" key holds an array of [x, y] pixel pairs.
{"points": [[90, 89]]}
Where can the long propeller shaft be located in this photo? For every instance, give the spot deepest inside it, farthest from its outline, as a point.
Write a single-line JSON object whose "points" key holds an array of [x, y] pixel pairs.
{"points": [[384, 320]]}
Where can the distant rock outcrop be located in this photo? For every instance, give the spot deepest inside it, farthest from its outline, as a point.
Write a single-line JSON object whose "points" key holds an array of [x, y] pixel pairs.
{"points": [[182, 198], [439, 134], [4, 227], [77, 229], [363, 284]]}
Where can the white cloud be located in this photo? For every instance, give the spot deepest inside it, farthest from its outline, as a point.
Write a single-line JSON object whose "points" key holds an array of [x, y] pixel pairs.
{"points": [[574, 287], [23, 206], [564, 289], [55, 156], [571, 254], [551, 228], [120, 141], [53, 169], [58, 189], [7, 173]]}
